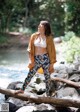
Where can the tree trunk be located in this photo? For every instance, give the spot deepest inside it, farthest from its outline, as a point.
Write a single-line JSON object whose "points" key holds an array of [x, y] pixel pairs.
{"points": [[26, 14], [49, 100]]}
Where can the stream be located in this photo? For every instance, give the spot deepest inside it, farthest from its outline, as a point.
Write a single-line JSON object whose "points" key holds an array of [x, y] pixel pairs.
{"points": [[13, 67]]}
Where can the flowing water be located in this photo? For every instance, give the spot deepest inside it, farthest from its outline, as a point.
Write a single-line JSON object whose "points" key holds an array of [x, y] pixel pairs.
{"points": [[13, 67]]}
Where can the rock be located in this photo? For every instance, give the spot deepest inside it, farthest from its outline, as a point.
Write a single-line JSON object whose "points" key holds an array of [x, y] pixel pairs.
{"points": [[57, 40], [45, 111], [75, 78], [40, 88], [15, 86], [78, 110], [17, 102], [38, 108], [13, 101], [61, 69], [27, 109], [63, 109], [12, 107], [36, 88], [68, 93], [42, 107]]}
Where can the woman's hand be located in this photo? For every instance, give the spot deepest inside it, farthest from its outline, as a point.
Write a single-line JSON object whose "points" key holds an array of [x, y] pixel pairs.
{"points": [[51, 67], [31, 65]]}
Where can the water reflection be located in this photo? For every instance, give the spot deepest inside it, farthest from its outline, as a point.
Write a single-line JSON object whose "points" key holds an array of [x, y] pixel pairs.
{"points": [[13, 56], [13, 67]]}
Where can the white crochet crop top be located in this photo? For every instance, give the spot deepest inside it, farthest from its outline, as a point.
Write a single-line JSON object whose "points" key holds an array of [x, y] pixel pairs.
{"points": [[40, 42]]}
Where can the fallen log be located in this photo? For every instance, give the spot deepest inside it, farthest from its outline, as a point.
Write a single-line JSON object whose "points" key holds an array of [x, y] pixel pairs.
{"points": [[71, 83], [48, 100]]}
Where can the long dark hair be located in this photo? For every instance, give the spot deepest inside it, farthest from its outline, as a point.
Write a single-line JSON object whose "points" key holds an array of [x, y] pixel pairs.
{"points": [[47, 27]]}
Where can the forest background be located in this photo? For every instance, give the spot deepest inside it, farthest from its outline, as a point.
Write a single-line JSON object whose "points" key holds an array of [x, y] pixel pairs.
{"points": [[23, 16]]}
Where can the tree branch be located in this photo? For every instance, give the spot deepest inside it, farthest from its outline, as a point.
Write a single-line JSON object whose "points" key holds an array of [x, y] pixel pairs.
{"points": [[71, 83]]}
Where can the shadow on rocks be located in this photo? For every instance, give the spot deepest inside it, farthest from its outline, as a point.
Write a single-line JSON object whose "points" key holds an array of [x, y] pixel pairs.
{"points": [[12, 107], [45, 111], [64, 109]]}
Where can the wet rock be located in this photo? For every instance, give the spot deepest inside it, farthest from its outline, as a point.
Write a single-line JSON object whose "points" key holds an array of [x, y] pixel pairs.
{"points": [[14, 86]]}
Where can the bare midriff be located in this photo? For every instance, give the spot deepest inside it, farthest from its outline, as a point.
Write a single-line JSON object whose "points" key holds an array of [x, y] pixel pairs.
{"points": [[40, 51]]}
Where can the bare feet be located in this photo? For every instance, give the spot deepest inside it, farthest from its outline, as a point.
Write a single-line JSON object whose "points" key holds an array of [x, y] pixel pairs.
{"points": [[19, 91]]}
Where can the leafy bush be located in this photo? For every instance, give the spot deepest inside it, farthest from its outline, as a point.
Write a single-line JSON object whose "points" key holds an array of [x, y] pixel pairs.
{"points": [[72, 49], [3, 39], [68, 36]]}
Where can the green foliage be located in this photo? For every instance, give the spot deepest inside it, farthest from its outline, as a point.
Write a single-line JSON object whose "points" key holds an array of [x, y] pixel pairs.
{"points": [[68, 36], [9, 9], [72, 49], [38, 81], [72, 16], [63, 15], [53, 11], [29, 13], [3, 39]]}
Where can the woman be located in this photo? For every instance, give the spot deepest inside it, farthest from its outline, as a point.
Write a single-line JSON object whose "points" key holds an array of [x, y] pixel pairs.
{"points": [[41, 54]]}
